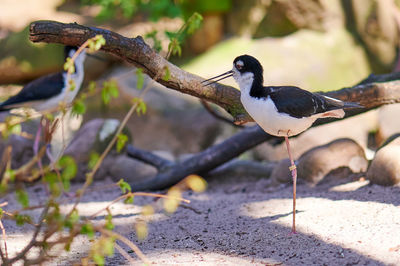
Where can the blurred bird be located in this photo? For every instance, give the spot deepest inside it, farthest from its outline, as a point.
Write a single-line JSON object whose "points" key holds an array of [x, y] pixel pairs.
{"points": [[282, 111], [47, 92]]}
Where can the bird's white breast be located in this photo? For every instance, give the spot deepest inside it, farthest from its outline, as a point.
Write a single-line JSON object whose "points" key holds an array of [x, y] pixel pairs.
{"points": [[265, 114], [67, 95]]}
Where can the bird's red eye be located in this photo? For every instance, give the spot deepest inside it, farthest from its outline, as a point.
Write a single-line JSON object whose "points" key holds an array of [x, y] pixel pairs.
{"points": [[239, 66]]}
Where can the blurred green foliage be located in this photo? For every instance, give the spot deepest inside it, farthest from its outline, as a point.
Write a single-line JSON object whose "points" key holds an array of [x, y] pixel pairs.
{"points": [[157, 9]]}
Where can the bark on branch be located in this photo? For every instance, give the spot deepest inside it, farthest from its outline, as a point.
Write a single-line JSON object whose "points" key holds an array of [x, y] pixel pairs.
{"points": [[372, 92]]}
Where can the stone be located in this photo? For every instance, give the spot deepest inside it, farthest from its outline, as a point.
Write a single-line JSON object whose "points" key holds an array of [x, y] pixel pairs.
{"points": [[131, 170], [388, 122], [318, 162], [280, 173], [385, 167]]}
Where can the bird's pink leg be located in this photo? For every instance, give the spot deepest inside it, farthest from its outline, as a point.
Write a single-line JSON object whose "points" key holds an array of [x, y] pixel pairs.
{"points": [[293, 170]]}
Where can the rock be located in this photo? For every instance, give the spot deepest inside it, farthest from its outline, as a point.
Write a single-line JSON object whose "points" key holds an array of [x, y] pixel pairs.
{"points": [[316, 163], [385, 167], [130, 170], [22, 150], [388, 122], [94, 136], [281, 173]]}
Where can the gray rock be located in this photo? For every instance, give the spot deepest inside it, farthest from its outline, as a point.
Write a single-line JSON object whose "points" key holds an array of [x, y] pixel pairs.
{"points": [[388, 122], [130, 170], [385, 167], [318, 162], [280, 173]]}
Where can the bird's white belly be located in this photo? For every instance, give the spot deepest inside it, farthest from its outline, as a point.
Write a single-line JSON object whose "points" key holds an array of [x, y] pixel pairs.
{"points": [[265, 114]]}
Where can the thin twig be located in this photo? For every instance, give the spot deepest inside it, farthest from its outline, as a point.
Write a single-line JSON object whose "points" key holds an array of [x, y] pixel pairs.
{"points": [[5, 256], [127, 242], [124, 254]]}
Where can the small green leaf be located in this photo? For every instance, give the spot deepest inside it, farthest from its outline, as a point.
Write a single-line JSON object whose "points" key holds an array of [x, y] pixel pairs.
{"points": [[22, 219], [141, 106], [175, 47], [124, 186], [129, 199], [140, 78], [98, 259], [93, 158], [87, 229], [69, 66], [51, 179], [110, 89], [1, 213], [108, 246], [9, 175], [72, 219], [109, 225], [194, 23], [69, 167], [167, 74], [91, 86], [22, 197], [96, 43], [121, 141], [79, 108], [71, 84]]}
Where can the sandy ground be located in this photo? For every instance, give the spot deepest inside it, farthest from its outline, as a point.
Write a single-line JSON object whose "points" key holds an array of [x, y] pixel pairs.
{"points": [[246, 222]]}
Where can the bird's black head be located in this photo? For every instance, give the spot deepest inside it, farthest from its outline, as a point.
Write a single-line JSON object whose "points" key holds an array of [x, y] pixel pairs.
{"points": [[246, 63], [244, 66]]}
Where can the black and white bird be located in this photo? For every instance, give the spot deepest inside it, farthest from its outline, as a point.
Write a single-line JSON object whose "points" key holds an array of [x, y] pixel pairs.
{"points": [[282, 111], [47, 92]]}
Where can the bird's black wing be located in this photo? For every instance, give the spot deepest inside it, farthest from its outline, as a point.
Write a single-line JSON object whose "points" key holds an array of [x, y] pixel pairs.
{"points": [[300, 103], [40, 89]]}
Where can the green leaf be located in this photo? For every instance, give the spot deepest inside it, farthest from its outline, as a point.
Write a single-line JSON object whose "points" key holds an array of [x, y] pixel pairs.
{"points": [[141, 106], [22, 197], [79, 108], [108, 246], [167, 74], [121, 141], [129, 199], [87, 229], [194, 23], [96, 43], [175, 47], [124, 186], [140, 78], [69, 167], [98, 259], [93, 158], [51, 179], [22, 219], [69, 66], [109, 225], [72, 219], [110, 89], [1, 213], [71, 84], [92, 86]]}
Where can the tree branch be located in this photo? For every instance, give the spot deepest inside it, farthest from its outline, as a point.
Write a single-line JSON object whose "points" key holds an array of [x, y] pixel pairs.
{"points": [[373, 92]]}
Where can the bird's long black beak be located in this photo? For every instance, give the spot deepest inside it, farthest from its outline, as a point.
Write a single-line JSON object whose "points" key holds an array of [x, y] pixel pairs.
{"points": [[221, 77]]}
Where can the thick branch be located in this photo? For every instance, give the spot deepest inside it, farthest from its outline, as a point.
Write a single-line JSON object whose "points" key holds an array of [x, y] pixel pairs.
{"points": [[138, 53], [375, 91]]}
